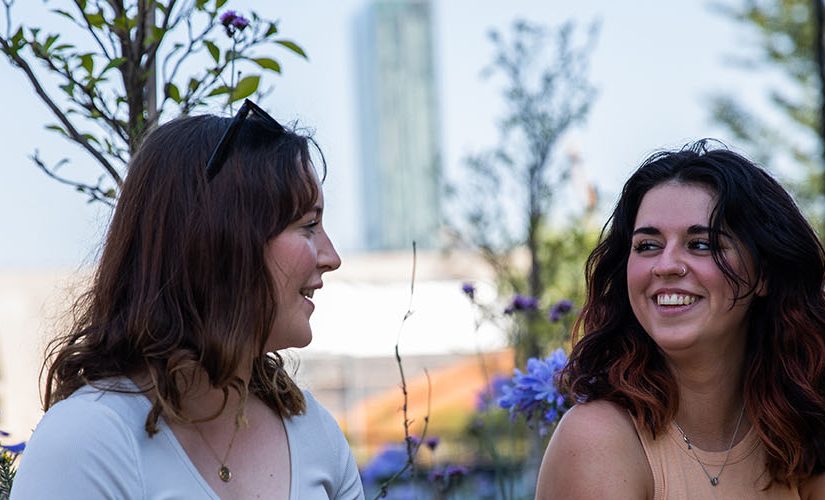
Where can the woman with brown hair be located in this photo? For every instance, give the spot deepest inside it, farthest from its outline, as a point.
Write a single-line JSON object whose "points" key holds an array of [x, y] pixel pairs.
{"points": [[169, 384], [701, 369]]}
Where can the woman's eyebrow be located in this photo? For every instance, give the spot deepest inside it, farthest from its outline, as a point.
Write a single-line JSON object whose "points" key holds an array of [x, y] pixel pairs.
{"points": [[648, 230], [692, 230]]}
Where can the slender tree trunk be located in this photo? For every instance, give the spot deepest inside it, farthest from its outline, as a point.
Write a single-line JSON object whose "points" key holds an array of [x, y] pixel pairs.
{"points": [[819, 52], [151, 90]]}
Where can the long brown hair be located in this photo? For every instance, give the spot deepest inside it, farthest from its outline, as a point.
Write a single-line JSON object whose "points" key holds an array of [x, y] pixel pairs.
{"points": [[182, 281], [784, 370]]}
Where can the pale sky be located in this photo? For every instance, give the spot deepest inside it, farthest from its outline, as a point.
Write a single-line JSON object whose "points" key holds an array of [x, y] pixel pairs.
{"points": [[655, 64]]}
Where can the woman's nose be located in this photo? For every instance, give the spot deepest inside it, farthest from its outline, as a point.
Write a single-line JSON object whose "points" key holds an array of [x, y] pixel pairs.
{"points": [[328, 258], [669, 264]]}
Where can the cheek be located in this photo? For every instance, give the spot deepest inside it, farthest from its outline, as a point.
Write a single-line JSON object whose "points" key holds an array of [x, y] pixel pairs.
{"points": [[637, 273]]}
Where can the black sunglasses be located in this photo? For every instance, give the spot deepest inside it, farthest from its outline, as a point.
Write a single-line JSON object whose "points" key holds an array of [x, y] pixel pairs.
{"points": [[218, 157]]}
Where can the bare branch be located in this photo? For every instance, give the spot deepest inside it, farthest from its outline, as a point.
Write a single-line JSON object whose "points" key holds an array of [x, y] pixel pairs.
{"points": [[412, 448], [7, 4], [95, 193]]}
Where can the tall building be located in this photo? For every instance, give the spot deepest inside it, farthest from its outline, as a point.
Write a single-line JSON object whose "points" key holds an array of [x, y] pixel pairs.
{"points": [[399, 126]]}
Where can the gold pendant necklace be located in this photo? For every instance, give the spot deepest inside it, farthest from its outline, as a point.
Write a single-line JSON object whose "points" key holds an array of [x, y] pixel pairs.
{"points": [[714, 480], [224, 473]]}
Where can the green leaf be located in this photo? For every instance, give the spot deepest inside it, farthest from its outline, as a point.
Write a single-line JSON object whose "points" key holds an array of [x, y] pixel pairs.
{"points": [[194, 83], [121, 22], [223, 89], [87, 62], [293, 47], [50, 41], [245, 88], [114, 63], [220, 3], [57, 128], [267, 63], [213, 49], [17, 37], [63, 13], [96, 20], [172, 92], [68, 88], [155, 36], [91, 138], [271, 29], [63, 46]]}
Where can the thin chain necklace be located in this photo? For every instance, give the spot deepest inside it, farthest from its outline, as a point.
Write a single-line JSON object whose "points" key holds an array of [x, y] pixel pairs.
{"points": [[714, 480], [223, 471]]}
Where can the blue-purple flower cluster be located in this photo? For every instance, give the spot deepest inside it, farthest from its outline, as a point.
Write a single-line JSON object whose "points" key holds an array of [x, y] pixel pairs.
{"points": [[11, 448], [447, 474], [534, 394], [559, 309], [522, 303]]}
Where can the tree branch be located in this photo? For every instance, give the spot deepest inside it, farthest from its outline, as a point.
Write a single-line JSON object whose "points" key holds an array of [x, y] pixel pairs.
{"points": [[95, 193], [91, 30], [61, 116], [92, 103]]}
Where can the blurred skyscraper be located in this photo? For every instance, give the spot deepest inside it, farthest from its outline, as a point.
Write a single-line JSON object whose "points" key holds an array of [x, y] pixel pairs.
{"points": [[401, 158]]}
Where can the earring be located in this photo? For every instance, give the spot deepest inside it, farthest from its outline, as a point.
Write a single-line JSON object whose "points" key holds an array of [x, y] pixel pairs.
{"points": [[684, 272]]}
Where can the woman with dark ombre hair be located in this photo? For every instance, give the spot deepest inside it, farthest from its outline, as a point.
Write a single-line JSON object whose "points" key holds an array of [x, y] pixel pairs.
{"points": [[700, 368], [168, 384]]}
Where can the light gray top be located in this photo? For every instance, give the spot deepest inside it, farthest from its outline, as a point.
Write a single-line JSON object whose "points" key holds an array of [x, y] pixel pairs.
{"points": [[93, 445]]}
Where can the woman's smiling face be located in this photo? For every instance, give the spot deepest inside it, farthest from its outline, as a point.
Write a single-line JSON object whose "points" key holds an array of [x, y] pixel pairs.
{"points": [[297, 258], [677, 292]]}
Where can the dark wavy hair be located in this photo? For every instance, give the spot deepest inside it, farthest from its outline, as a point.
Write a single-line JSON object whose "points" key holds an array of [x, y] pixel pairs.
{"points": [[182, 281], [614, 359]]}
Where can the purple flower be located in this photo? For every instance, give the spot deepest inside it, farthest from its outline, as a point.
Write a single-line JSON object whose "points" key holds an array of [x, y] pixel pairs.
{"points": [[432, 442], [436, 475], [534, 393], [11, 448], [469, 290], [233, 22], [522, 303], [491, 393], [228, 17], [240, 22], [414, 440], [559, 309], [446, 477], [455, 471], [386, 463]]}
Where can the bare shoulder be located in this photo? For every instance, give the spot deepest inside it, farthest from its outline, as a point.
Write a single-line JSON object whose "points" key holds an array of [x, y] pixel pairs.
{"points": [[813, 488], [595, 454]]}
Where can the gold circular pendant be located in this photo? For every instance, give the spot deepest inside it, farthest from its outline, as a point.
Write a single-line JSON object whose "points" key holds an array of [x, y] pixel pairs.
{"points": [[225, 474]]}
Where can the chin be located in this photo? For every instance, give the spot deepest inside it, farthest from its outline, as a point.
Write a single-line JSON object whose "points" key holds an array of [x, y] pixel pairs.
{"points": [[291, 343]]}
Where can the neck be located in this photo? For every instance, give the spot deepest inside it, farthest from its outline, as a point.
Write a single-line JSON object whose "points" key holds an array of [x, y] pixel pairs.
{"points": [[200, 401], [710, 400]]}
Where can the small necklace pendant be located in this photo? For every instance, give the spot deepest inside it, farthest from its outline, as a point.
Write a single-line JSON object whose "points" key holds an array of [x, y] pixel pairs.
{"points": [[714, 481], [226, 475]]}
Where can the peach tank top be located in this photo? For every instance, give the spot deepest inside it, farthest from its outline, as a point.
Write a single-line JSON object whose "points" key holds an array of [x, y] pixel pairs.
{"points": [[678, 476]]}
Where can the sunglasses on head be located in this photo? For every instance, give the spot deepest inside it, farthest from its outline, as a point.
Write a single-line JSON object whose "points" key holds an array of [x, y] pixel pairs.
{"points": [[221, 152]]}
